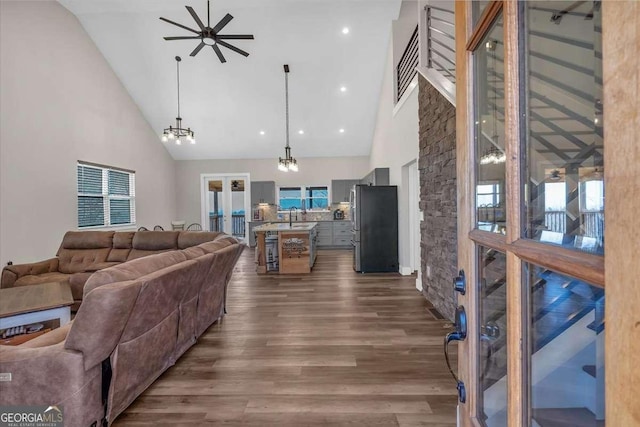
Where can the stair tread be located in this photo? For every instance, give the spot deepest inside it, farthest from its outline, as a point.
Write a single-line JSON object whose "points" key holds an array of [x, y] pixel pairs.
{"points": [[566, 417]]}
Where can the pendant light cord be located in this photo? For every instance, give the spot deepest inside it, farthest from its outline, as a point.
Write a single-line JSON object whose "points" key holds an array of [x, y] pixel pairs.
{"points": [[178, 78], [286, 97]]}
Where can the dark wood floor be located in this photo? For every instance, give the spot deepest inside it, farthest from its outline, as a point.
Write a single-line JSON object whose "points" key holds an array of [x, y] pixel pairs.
{"points": [[331, 348]]}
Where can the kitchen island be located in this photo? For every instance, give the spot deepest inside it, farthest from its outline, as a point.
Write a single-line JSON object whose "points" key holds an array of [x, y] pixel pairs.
{"points": [[286, 248]]}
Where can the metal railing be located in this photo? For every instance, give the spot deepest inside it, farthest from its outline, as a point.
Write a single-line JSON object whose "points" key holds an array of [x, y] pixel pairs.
{"points": [[406, 69], [591, 224], [237, 224], [441, 41]]}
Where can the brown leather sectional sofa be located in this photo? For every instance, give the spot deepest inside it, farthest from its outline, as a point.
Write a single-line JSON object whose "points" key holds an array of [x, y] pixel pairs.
{"points": [[136, 318], [82, 253]]}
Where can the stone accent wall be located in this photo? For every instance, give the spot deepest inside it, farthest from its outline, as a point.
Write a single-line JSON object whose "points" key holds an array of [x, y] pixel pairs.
{"points": [[437, 164]]}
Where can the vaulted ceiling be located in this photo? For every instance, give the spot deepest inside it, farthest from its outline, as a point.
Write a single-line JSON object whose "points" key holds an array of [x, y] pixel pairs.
{"points": [[228, 105]]}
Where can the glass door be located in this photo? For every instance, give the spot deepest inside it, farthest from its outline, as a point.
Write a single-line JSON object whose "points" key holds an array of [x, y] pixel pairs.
{"points": [[226, 202], [530, 167]]}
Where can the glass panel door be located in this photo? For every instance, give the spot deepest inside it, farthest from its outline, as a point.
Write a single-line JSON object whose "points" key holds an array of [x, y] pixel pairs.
{"points": [[226, 204], [237, 217], [215, 204]]}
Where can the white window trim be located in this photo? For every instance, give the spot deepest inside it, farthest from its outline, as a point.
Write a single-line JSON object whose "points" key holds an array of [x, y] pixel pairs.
{"points": [[303, 189], [106, 198]]}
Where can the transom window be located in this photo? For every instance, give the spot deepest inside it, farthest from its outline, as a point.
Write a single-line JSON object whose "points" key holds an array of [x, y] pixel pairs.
{"points": [[106, 196], [303, 197]]}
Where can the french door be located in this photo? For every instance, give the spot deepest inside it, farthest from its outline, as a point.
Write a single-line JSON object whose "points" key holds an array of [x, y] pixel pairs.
{"points": [[531, 155], [226, 203]]}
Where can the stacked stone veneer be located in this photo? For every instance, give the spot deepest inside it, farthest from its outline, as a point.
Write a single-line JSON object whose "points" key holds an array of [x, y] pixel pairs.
{"points": [[438, 192]]}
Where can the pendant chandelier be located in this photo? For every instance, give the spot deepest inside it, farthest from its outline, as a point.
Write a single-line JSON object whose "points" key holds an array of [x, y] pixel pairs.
{"points": [[288, 163], [177, 133], [493, 155]]}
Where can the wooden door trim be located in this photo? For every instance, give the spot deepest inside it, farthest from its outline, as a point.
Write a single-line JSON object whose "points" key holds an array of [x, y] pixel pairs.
{"points": [[517, 289], [621, 77], [490, 240], [465, 170], [489, 15]]}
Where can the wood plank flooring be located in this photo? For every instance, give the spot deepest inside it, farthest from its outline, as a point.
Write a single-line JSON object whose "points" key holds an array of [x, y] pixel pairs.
{"points": [[333, 348]]}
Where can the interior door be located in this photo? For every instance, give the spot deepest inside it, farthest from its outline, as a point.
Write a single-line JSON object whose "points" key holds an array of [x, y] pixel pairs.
{"points": [[530, 168]]}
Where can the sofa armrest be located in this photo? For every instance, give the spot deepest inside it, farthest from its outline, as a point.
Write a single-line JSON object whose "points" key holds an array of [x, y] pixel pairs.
{"points": [[11, 273], [54, 376]]}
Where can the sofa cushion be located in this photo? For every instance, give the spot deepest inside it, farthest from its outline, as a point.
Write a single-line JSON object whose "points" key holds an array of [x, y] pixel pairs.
{"points": [[133, 269], [211, 247], [50, 338], [41, 278], [77, 282], [87, 240], [123, 239], [119, 255], [194, 252], [155, 240], [79, 260], [186, 239]]}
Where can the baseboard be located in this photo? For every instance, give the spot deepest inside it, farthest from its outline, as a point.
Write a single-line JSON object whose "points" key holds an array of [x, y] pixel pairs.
{"points": [[419, 284], [405, 271]]}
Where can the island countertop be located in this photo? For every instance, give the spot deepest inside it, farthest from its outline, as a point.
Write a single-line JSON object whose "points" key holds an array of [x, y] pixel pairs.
{"points": [[285, 227]]}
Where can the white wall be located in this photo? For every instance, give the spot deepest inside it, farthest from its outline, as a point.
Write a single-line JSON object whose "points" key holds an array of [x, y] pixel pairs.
{"points": [[60, 103], [395, 144], [313, 171]]}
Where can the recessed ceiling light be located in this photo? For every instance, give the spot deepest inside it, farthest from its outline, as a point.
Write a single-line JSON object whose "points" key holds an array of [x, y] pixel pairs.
{"points": [[343, 89], [261, 132], [345, 30], [341, 130], [301, 132]]}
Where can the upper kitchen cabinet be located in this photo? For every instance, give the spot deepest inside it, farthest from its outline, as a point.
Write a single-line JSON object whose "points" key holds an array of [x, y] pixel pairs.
{"points": [[340, 189], [378, 176], [263, 192]]}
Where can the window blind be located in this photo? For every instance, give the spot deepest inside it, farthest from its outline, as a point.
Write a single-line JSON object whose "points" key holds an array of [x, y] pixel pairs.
{"points": [[106, 196]]}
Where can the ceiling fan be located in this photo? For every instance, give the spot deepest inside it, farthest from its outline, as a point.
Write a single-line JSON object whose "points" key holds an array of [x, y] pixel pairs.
{"points": [[209, 35]]}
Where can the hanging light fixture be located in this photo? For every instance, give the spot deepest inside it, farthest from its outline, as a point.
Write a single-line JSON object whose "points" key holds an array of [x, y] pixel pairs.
{"points": [[493, 155], [288, 163], [178, 133]]}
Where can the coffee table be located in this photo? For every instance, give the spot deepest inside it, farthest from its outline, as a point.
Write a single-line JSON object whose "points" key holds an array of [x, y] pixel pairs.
{"points": [[24, 305]]}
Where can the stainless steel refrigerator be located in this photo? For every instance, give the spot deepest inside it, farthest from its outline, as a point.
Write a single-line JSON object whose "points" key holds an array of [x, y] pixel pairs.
{"points": [[374, 234]]}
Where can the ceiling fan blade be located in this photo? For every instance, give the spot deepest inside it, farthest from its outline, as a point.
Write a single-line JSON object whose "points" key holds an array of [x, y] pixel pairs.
{"points": [[195, 17], [197, 49], [220, 55], [182, 38], [223, 22], [233, 48], [179, 25], [236, 37]]}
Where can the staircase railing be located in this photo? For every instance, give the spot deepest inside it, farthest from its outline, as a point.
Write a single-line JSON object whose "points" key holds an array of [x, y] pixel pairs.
{"points": [[406, 69], [438, 48]]}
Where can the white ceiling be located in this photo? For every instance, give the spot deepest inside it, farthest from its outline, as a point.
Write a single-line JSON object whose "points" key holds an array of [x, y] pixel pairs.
{"points": [[227, 105]]}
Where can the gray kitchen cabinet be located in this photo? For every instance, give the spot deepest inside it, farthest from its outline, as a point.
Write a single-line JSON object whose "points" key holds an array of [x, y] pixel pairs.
{"points": [[378, 176], [340, 189], [341, 237], [263, 192], [325, 234]]}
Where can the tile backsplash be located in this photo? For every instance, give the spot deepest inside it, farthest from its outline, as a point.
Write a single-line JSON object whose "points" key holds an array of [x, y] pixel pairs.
{"points": [[270, 213]]}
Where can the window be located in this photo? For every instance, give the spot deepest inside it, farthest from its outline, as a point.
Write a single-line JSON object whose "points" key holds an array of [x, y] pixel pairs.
{"points": [[106, 196], [488, 195], [304, 197]]}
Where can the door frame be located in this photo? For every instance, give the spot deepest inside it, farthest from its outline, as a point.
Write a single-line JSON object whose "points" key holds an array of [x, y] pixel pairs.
{"points": [[204, 215], [622, 175]]}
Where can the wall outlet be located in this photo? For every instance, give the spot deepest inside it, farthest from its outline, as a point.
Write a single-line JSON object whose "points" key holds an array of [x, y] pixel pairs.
{"points": [[429, 271]]}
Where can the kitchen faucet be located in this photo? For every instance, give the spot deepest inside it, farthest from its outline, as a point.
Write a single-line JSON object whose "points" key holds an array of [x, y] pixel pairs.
{"points": [[290, 217]]}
